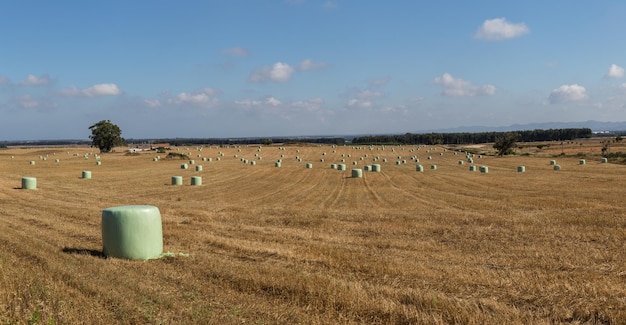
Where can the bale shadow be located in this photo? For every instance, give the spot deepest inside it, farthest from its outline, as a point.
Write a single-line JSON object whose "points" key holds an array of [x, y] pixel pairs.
{"points": [[84, 251]]}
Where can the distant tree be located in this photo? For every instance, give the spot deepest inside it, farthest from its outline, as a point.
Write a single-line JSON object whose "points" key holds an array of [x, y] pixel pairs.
{"points": [[106, 135], [505, 143]]}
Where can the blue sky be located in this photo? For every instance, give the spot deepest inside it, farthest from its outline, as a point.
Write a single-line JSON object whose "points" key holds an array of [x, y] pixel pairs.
{"points": [[237, 68]]}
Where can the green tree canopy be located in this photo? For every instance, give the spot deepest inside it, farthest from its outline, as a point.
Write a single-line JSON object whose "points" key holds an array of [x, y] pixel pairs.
{"points": [[106, 135], [505, 143]]}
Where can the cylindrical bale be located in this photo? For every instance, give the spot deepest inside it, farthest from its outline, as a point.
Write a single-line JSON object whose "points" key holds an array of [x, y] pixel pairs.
{"points": [[98, 163], [397, 162], [404, 161], [132, 232], [472, 168], [196, 180], [177, 180], [429, 158], [357, 173], [86, 174], [433, 167], [557, 167], [252, 162], [355, 163], [367, 168], [198, 168], [32, 162], [484, 169], [322, 160], [521, 169], [419, 168], [184, 166], [581, 162], [376, 168], [277, 164], [341, 167], [552, 162], [191, 162], [29, 183], [155, 159], [309, 165], [461, 162], [470, 160], [57, 160], [333, 166], [604, 160]]}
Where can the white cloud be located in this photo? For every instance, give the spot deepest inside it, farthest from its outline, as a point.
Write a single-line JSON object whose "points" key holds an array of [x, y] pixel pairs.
{"points": [[615, 71], [568, 93], [152, 102], [378, 82], [499, 29], [203, 97], [313, 104], [279, 72], [235, 51], [456, 87], [248, 103], [32, 80], [26, 101], [4, 80], [309, 64], [98, 90]]}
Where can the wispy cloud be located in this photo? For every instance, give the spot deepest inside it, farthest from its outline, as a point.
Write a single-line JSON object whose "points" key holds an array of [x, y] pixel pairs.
{"points": [[456, 87], [309, 64], [235, 51], [279, 72], [498, 29], [32, 80], [98, 90]]}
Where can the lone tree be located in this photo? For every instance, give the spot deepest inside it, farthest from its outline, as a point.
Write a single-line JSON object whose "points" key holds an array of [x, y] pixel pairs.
{"points": [[106, 135], [505, 143]]}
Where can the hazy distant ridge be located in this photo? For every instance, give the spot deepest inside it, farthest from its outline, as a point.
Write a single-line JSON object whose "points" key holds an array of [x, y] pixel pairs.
{"points": [[593, 125]]}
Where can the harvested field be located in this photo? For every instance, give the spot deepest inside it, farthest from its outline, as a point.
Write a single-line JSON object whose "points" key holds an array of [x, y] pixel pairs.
{"points": [[291, 245]]}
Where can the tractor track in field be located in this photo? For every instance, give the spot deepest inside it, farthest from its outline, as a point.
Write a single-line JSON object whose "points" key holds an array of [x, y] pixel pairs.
{"points": [[400, 189], [289, 188], [372, 193], [334, 195]]}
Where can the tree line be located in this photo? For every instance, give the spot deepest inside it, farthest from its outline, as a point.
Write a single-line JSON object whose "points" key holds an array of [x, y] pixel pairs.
{"points": [[472, 138]]}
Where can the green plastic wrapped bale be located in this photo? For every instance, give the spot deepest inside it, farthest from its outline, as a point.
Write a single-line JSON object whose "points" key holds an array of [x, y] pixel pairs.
{"points": [[376, 168], [341, 167], [357, 173], [604, 161], [521, 169], [32, 162], [419, 168], [557, 167], [98, 163], [309, 166], [177, 180], [484, 169], [581, 162], [132, 232], [333, 166], [472, 168], [196, 180], [198, 168], [29, 183], [86, 174], [277, 164], [184, 166], [433, 167]]}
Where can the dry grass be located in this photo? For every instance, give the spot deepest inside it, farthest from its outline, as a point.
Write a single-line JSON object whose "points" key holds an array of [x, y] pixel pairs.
{"points": [[292, 245]]}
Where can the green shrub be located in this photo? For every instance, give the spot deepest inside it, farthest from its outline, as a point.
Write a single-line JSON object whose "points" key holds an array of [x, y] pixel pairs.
{"points": [[176, 155]]}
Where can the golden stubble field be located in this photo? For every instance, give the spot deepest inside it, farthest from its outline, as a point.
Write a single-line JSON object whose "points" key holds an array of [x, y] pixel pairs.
{"points": [[292, 245]]}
